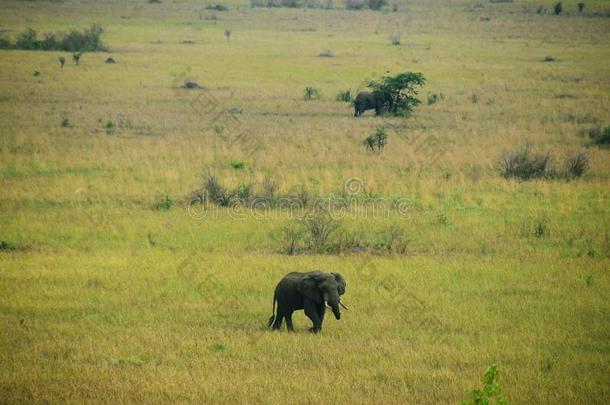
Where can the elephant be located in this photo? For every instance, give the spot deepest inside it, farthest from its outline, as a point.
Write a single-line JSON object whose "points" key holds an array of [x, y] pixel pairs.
{"points": [[313, 292], [376, 100]]}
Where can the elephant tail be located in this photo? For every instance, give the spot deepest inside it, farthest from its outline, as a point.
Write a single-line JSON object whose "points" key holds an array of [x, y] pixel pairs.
{"points": [[272, 319]]}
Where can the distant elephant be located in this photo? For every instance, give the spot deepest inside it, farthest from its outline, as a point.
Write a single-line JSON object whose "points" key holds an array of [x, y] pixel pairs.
{"points": [[376, 100], [313, 292]]}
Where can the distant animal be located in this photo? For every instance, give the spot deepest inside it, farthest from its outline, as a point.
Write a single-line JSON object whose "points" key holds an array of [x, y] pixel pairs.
{"points": [[62, 61], [376, 100], [313, 292], [76, 57], [110, 60]]}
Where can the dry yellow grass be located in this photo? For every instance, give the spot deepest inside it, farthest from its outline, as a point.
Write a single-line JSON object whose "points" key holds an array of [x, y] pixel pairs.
{"points": [[108, 300]]}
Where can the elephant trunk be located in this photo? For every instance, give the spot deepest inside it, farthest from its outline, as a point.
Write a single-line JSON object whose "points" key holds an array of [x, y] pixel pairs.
{"points": [[334, 306]]}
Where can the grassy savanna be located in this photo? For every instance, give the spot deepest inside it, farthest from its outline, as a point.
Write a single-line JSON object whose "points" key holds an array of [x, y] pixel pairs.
{"points": [[106, 299]]}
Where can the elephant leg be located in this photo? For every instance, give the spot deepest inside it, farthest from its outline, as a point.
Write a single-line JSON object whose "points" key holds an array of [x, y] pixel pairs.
{"points": [[289, 322], [311, 311], [321, 312]]}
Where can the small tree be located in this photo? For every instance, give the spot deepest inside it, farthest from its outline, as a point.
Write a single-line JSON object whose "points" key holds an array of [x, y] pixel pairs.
{"points": [[558, 8], [491, 390], [377, 141], [401, 91]]}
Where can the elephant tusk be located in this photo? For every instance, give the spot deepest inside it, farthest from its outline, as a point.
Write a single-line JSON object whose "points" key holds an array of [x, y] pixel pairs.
{"points": [[327, 306], [343, 305]]}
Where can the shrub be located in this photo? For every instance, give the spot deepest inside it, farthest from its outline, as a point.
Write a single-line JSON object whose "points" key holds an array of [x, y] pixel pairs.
{"points": [[318, 228], [577, 165], [491, 389], [27, 40], [523, 164], [290, 237], [214, 191], [164, 204], [217, 7], [65, 122], [345, 96], [395, 7], [355, 4], [110, 127], [395, 40], [270, 187], [227, 33], [6, 246], [541, 228], [581, 7], [401, 89], [395, 240], [377, 4], [548, 59], [237, 164], [87, 41], [311, 93], [327, 53], [600, 136], [243, 193], [377, 141], [433, 98], [558, 8]]}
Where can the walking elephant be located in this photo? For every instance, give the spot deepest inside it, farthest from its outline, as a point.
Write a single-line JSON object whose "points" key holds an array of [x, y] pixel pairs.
{"points": [[376, 100], [313, 292]]}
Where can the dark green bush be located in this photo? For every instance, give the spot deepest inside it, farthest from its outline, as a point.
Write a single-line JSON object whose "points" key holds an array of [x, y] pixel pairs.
{"points": [[377, 4], [558, 8], [164, 204], [377, 141], [87, 41], [345, 96], [600, 136]]}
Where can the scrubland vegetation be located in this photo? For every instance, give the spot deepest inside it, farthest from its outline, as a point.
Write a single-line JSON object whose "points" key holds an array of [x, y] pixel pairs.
{"points": [[146, 222]]}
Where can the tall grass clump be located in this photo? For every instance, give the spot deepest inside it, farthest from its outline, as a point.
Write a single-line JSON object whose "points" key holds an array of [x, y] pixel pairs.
{"points": [[524, 164], [311, 93]]}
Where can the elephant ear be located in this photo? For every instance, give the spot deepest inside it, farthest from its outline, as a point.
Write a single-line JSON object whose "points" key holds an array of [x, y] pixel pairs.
{"points": [[341, 281], [310, 289]]}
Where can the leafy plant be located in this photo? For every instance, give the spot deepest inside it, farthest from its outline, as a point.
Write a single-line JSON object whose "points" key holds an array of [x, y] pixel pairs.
{"points": [[345, 96], [491, 393], [237, 164], [377, 141], [65, 121], [164, 204], [401, 89]]}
